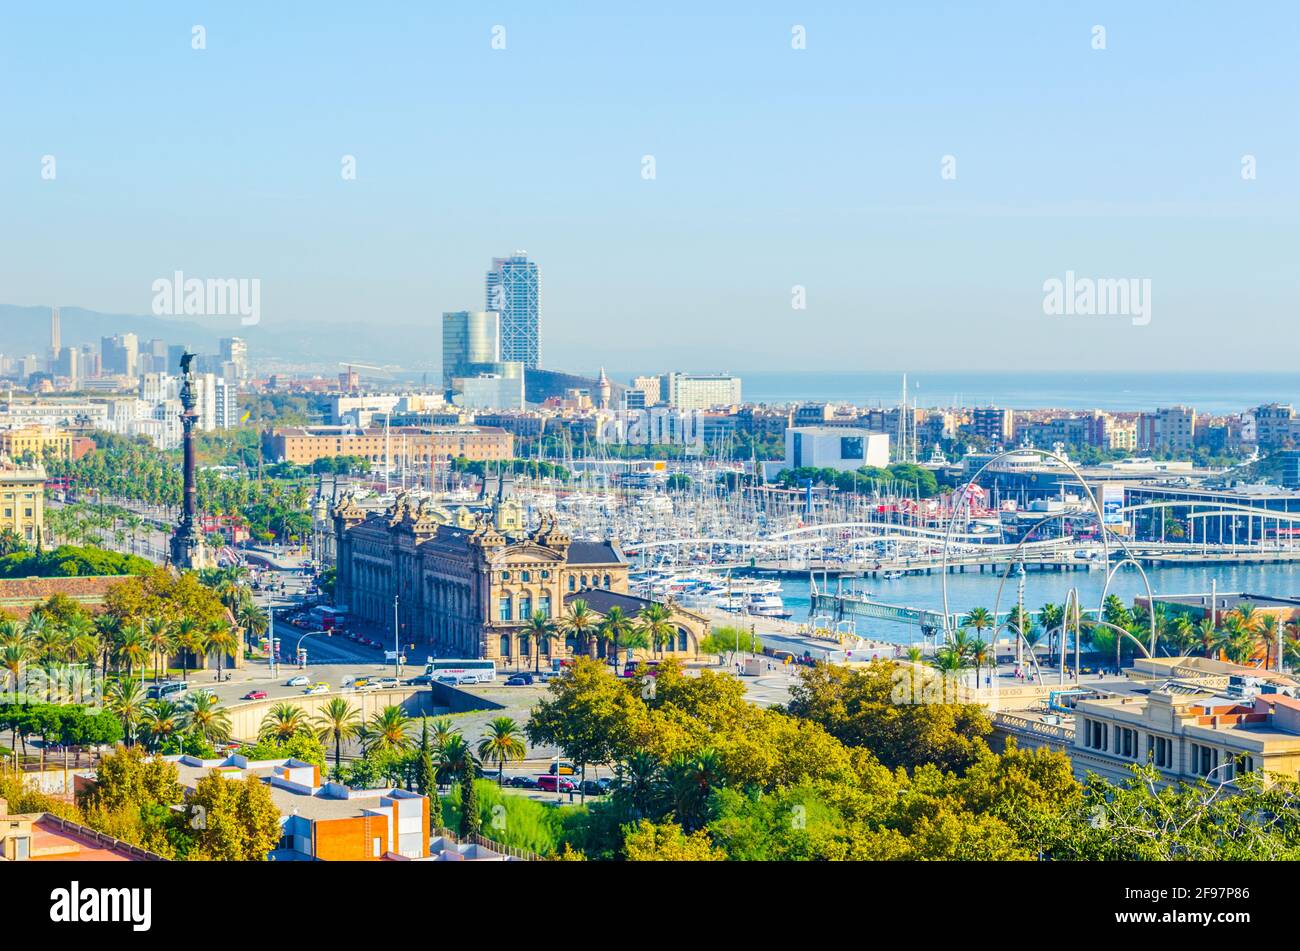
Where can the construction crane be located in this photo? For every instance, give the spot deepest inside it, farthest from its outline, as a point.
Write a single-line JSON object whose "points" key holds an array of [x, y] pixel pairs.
{"points": [[364, 366], [347, 380]]}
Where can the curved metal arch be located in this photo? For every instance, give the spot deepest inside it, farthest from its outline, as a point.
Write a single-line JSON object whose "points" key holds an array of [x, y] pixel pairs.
{"points": [[952, 518], [1151, 601], [1078, 477]]}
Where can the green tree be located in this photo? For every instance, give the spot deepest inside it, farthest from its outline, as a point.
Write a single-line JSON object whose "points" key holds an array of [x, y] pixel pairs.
{"points": [[502, 744], [337, 722]]}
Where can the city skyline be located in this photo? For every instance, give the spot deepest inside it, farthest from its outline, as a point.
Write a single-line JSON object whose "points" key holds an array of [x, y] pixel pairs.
{"points": [[777, 174]]}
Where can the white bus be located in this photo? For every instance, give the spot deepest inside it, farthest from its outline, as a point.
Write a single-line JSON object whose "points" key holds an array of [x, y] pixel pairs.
{"points": [[485, 671]]}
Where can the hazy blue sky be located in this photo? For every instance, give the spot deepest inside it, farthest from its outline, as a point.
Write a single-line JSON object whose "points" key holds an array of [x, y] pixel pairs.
{"points": [[775, 167]]}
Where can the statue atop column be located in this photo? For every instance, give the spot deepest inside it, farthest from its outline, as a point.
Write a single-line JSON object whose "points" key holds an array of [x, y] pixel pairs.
{"points": [[188, 550]]}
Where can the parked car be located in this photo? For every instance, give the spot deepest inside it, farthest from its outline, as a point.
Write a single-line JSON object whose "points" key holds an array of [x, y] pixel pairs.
{"points": [[365, 685], [320, 687], [254, 695], [300, 681], [591, 787], [421, 680], [384, 683], [563, 767], [517, 681], [522, 782], [549, 783]]}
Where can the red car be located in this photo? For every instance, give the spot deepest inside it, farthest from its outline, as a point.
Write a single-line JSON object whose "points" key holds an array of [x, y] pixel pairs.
{"points": [[255, 695], [548, 783]]}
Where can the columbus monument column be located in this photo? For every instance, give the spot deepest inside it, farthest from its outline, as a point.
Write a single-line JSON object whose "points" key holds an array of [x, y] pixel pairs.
{"points": [[188, 548]]}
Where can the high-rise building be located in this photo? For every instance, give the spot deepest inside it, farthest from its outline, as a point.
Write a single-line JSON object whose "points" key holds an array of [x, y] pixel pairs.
{"points": [[120, 354], [652, 387], [514, 291], [994, 423], [1169, 429], [235, 350], [68, 364], [469, 337], [702, 390], [226, 415], [56, 336]]}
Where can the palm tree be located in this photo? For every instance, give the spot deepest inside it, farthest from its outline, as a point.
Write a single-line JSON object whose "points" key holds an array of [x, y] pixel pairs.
{"points": [[1269, 625], [981, 655], [222, 639], [125, 699], [1236, 640], [656, 625], [961, 643], [132, 650], [253, 619], [283, 722], [688, 781], [202, 715], [337, 721], [1180, 634], [581, 623], [441, 729], [162, 719], [502, 744], [48, 639], [12, 657], [1291, 646], [949, 661], [454, 758], [1206, 635], [189, 639], [980, 619], [110, 629], [1051, 617], [83, 640], [617, 631], [539, 630], [640, 782], [387, 731], [158, 637]]}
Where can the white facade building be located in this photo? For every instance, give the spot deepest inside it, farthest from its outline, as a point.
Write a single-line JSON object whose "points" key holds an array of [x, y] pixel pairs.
{"points": [[842, 448], [702, 390]]}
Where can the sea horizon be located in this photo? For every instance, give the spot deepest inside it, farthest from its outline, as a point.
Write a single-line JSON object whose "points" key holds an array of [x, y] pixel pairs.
{"points": [[1215, 393]]}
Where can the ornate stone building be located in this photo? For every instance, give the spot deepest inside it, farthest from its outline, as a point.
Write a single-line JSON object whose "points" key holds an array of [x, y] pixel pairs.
{"points": [[464, 583]]}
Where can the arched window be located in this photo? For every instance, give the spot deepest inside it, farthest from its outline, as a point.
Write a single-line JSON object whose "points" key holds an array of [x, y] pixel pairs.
{"points": [[584, 581], [525, 607], [544, 604], [682, 641], [526, 576], [573, 583], [505, 645], [523, 646], [571, 643], [505, 608], [606, 581]]}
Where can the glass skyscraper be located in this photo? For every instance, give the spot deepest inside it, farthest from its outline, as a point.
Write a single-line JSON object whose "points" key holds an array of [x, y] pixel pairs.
{"points": [[514, 291], [470, 338]]}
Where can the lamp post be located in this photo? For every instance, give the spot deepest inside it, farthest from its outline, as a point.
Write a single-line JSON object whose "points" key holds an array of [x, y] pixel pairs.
{"points": [[396, 646]]}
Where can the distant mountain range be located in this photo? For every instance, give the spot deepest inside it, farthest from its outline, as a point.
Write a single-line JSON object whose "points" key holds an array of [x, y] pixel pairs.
{"points": [[25, 330]]}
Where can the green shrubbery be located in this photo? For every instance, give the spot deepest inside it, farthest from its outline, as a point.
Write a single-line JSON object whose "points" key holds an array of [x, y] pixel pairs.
{"points": [[70, 561]]}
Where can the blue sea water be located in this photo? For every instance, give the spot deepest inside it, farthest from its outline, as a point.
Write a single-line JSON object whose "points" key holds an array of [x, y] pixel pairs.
{"points": [[972, 589], [1210, 393]]}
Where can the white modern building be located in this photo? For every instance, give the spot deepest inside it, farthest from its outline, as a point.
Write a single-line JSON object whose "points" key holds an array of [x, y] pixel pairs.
{"points": [[842, 448], [504, 390], [702, 390]]}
